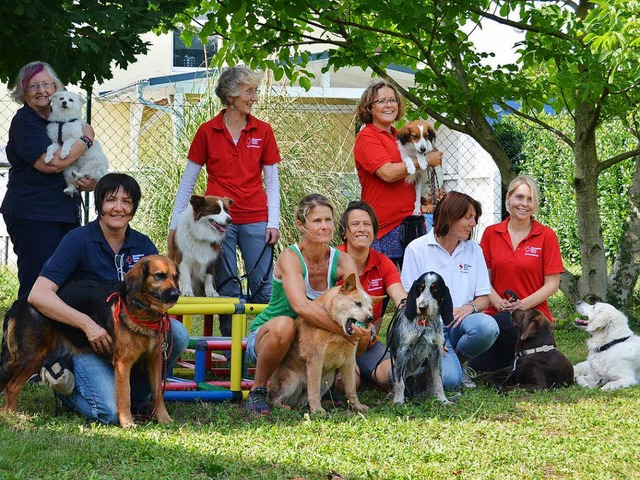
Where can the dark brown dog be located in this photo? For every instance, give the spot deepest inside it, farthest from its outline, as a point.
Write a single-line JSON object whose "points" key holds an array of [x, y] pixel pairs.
{"points": [[135, 317], [537, 363]]}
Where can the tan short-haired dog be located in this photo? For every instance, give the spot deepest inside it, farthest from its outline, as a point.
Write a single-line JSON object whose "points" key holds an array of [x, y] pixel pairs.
{"points": [[309, 368]]}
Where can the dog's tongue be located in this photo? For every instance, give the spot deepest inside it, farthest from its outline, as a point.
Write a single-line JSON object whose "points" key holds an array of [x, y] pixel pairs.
{"points": [[217, 226], [580, 322]]}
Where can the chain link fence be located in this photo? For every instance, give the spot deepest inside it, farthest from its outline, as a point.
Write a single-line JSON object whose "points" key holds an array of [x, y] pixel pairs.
{"points": [[147, 132]]}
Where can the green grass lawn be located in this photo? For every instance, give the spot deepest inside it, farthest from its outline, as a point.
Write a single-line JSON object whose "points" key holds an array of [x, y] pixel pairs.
{"points": [[571, 433]]}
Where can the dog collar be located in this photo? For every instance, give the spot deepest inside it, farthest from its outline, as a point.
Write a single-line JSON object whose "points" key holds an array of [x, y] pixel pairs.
{"points": [[607, 346], [423, 321], [60, 125], [529, 351]]}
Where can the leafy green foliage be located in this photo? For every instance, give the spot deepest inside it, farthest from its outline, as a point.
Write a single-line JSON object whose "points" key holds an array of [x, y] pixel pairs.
{"points": [[81, 39]]}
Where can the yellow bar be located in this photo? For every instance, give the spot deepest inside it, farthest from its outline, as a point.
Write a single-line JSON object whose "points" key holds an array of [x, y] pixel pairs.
{"points": [[237, 322], [200, 309], [206, 300]]}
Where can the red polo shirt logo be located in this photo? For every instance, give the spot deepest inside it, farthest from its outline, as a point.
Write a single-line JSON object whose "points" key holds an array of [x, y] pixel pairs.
{"points": [[253, 142]]}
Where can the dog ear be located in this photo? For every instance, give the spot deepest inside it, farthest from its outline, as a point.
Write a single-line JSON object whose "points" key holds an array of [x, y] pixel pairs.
{"points": [[404, 135], [411, 310], [196, 201], [446, 306], [375, 300], [531, 329], [431, 134], [135, 277], [349, 284]]}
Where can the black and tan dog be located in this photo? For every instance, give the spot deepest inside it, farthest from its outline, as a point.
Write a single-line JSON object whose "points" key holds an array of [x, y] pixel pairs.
{"points": [[134, 314], [538, 364], [308, 370]]}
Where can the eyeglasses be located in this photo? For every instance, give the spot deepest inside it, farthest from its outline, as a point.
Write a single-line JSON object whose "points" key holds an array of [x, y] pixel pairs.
{"points": [[118, 260], [33, 87], [251, 92], [385, 101]]}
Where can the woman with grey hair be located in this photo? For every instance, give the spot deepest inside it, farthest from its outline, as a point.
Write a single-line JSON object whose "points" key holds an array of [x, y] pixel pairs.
{"points": [[237, 150], [35, 209]]}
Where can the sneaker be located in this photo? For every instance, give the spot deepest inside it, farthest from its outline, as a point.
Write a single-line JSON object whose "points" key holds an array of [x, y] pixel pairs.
{"points": [[58, 376], [256, 402], [467, 374]]}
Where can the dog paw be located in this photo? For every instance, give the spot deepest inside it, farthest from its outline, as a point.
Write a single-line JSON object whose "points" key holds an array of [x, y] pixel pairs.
{"points": [[411, 168], [163, 417], [359, 407], [422, 161], [211, 292], [317, 411], [70, 190], [186, 292]]}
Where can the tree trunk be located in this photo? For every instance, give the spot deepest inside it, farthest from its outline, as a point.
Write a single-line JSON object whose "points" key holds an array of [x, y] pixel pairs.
{"points": [[626, 267], [593, 281]]}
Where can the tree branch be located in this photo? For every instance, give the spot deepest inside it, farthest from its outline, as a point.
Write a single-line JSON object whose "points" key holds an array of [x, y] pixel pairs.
{"points": [[537, 121]]}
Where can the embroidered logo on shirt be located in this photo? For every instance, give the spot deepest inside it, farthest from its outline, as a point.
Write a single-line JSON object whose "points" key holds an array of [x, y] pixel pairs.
{"points": [[532, 251], [253, 142], [464, 267], [374, 284], [133, 259]]}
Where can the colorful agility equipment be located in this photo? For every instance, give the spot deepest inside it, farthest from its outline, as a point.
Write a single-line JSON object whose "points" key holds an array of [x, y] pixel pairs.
{"points": [[183, 390]]}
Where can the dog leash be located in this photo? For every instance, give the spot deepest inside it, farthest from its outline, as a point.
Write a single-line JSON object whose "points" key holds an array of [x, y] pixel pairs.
{"points": [[238, 280]]}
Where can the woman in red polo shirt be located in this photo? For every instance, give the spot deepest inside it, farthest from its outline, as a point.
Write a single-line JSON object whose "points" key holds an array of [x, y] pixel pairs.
{"points": [[358, 227], [522, 256], [238, 150], [381, 171]]}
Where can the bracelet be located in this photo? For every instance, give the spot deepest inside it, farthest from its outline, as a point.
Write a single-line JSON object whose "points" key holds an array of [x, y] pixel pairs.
{"points": [[87, 141], [473, 305]]}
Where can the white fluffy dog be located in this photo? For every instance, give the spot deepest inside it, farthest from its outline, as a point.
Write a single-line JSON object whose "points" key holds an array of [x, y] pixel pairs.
{"points": [[64, 129], [614, 350]]}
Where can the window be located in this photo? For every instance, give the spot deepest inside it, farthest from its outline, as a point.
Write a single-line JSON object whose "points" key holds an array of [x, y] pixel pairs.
{"points": [[193, 56]]}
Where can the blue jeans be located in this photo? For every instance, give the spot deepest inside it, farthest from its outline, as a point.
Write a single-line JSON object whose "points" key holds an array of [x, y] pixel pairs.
{"points": [[473, 336], [249, 238], [94, 395]]}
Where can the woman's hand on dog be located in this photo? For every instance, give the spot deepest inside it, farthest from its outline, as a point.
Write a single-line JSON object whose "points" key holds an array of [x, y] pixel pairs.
{"points": [[98, 337], [87, 184]]}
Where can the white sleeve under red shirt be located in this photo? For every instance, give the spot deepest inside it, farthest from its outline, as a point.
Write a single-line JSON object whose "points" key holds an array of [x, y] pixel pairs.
{"points": [[235, 171], [524, 269]]}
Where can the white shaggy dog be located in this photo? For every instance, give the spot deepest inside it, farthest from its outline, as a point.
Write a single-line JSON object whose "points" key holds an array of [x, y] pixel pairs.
{"points": [[64, 129], [613, 360], [199, 234]]}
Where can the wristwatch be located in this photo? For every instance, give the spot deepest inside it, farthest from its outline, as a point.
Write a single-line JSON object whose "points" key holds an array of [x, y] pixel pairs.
{"points": [[475, 308]]}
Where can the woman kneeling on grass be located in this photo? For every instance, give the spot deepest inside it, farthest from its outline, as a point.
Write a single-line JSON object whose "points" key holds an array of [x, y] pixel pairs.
{"points": [[302, 273]]}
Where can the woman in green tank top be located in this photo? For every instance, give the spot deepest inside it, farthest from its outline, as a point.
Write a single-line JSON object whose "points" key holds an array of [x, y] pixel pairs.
{"points": [[303, 272]]}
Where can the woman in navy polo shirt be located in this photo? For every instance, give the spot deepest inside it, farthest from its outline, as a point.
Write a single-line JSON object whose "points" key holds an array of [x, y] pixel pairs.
{"points": [[104, 250], [35, 210]]}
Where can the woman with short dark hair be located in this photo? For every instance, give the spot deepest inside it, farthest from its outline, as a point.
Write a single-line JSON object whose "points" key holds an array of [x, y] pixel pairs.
{"points": [[103, 250]]}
